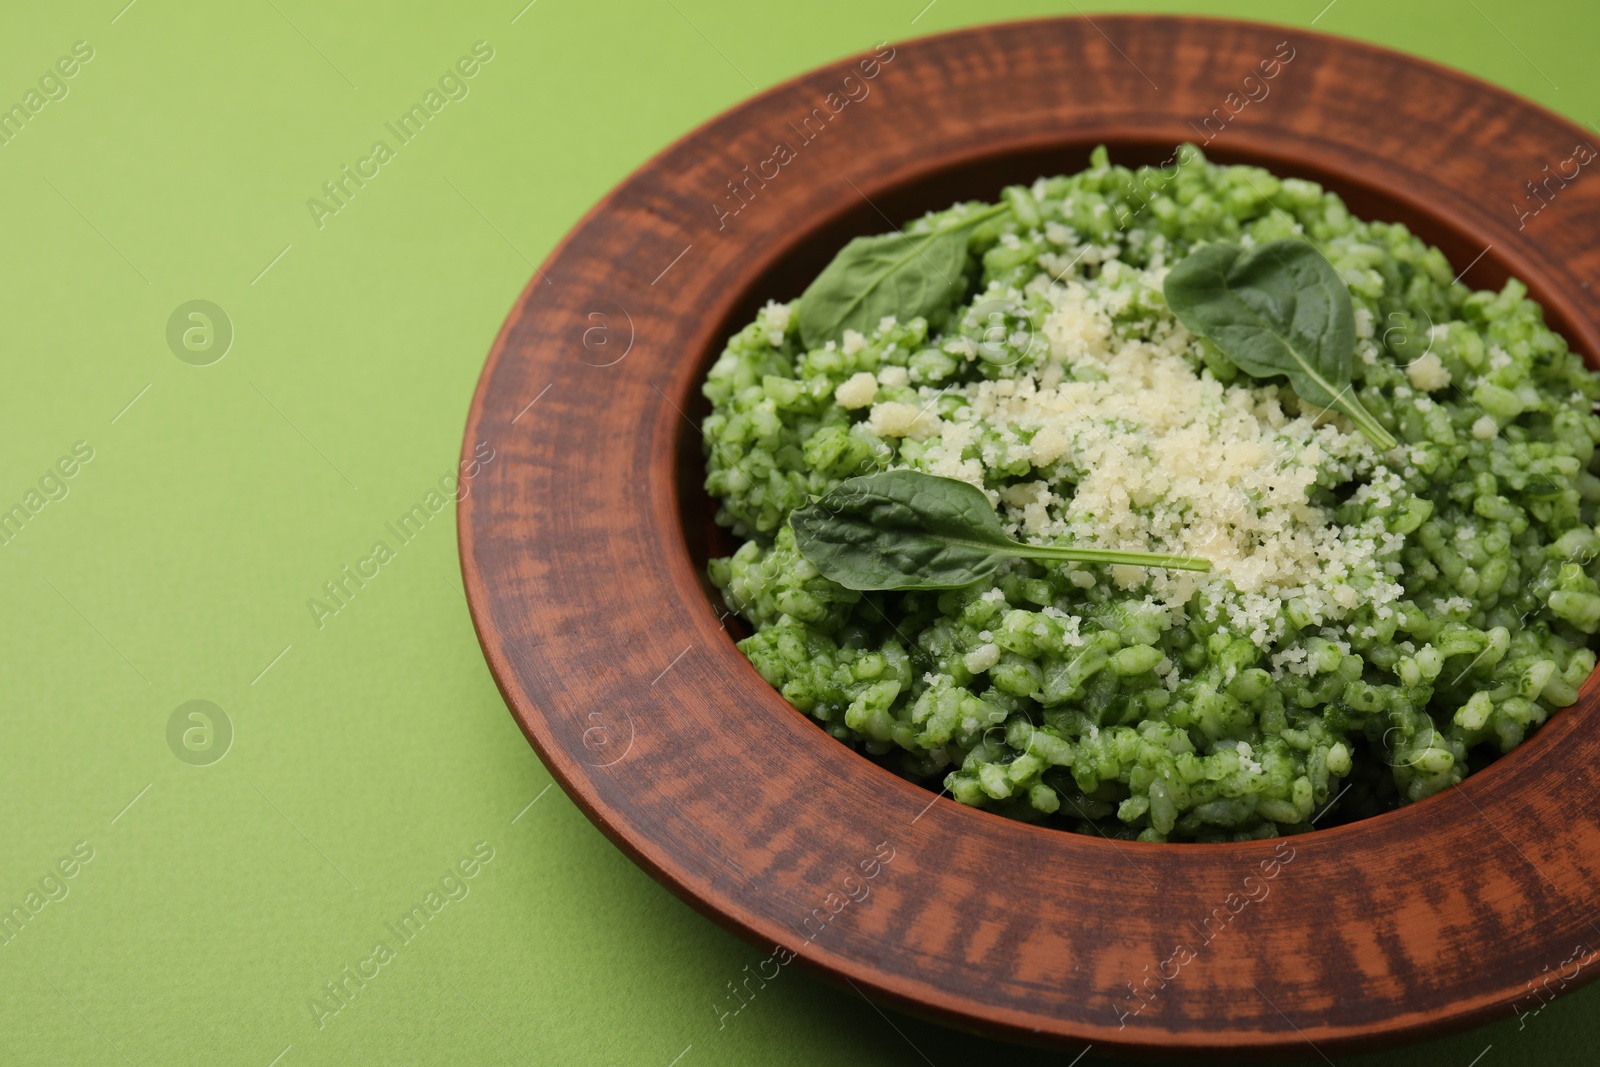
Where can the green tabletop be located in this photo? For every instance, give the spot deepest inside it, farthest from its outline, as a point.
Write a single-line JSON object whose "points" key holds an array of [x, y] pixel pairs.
{"points": [[240, 345]]}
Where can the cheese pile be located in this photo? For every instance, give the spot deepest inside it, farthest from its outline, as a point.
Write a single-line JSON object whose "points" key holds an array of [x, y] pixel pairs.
{"points": [[1132, 447]]}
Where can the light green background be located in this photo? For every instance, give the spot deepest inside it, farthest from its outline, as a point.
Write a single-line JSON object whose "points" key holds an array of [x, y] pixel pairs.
{"points": [[375, 752]]}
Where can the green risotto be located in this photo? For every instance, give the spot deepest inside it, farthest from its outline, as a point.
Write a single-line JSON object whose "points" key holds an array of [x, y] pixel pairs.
{"points": [[1377, 622]]}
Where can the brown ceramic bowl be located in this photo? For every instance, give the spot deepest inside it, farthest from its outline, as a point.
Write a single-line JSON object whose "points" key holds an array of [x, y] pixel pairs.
{"points": [[583, 548]]}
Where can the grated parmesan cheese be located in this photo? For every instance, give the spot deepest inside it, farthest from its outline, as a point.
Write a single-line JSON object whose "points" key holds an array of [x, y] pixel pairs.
{"points": [[856, 391], [894, 419], [1428, 374], [1133, 449], [775, 319], [1363, 323], [982, 658]]}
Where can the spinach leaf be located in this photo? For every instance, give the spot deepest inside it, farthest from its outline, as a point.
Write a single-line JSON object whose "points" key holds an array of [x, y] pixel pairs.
{"points": [[1279, 308], [908, 530], [899, 274]]}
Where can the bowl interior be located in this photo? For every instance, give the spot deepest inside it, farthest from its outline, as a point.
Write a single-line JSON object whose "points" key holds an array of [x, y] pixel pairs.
{"points": [[982, 178]]}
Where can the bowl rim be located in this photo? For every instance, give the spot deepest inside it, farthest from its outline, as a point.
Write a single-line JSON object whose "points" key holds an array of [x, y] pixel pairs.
{"points": [[491, 616]]}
